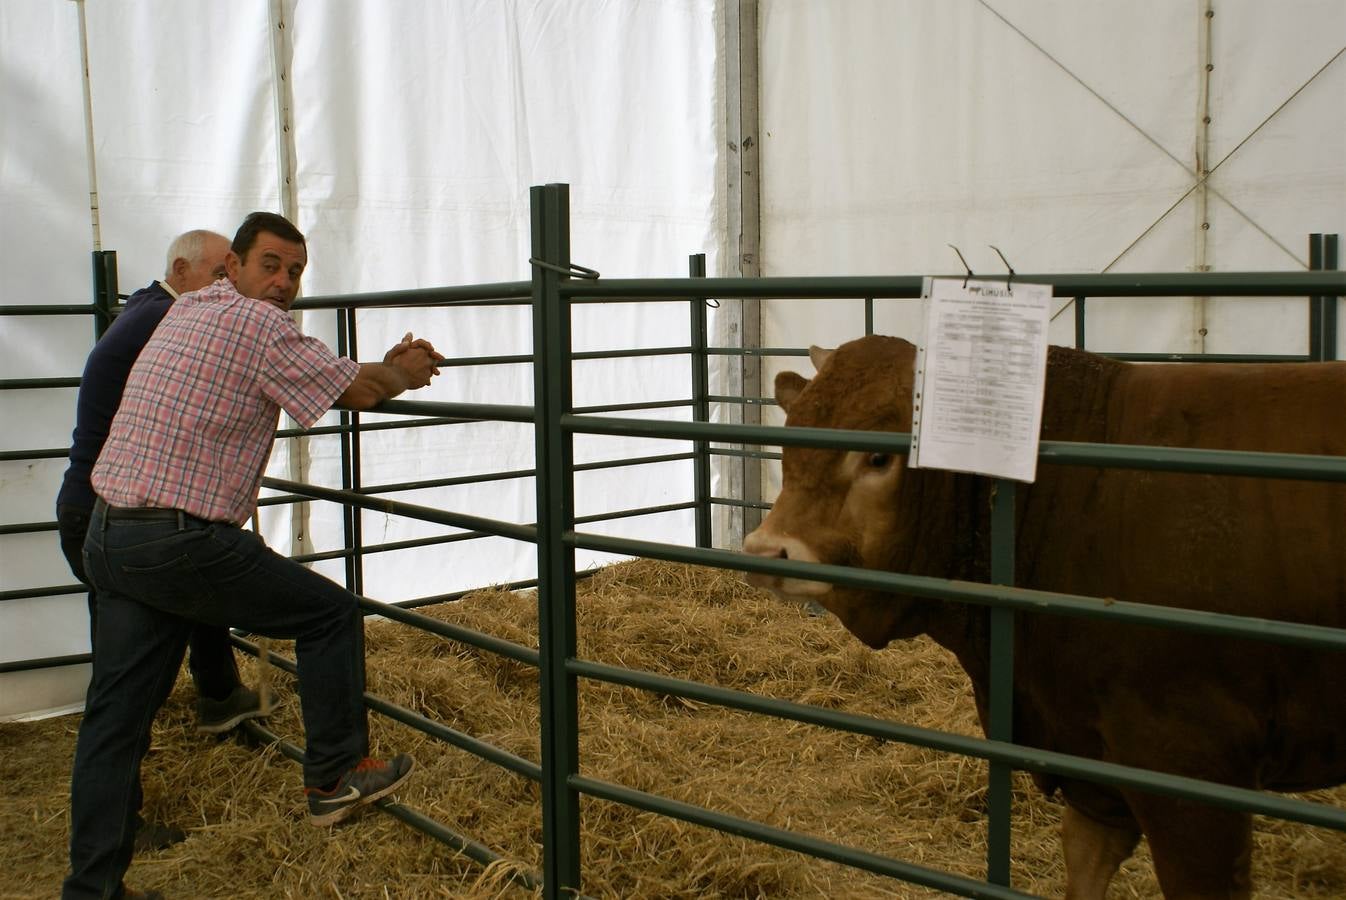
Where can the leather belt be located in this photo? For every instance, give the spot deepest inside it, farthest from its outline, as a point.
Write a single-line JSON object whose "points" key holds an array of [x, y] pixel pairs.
{"points": [[141, 513]]}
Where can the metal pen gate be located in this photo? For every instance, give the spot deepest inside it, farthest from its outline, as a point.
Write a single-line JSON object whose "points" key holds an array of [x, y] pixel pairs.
{"points": [[552, 293]]}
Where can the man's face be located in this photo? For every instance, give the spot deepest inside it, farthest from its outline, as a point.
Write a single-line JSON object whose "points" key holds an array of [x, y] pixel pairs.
{"points": [[208, 268], [271, 270]]}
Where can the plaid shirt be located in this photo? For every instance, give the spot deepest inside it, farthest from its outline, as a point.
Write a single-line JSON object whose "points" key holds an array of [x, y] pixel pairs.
{"points": [[197, 420]]}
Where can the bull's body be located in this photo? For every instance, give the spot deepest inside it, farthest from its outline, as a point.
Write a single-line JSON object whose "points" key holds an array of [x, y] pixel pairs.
{"points": [[1241, 712]]}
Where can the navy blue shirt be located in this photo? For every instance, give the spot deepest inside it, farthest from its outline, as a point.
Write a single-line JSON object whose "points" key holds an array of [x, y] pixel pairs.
{"points": [[100, 388]]}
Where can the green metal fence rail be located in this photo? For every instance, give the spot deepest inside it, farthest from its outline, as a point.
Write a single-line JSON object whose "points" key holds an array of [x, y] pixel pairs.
{"points": [[551, 293], [350, 428], [472, 849], [562, 853], [355, 496]]}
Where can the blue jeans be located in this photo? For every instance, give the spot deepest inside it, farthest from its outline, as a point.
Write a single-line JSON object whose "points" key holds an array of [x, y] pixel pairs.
{"points": [[154, 580], [212, 658]]}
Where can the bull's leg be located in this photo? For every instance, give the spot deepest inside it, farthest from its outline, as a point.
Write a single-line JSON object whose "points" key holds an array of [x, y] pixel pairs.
{"points": [[1200, 852], [1094, 852]]}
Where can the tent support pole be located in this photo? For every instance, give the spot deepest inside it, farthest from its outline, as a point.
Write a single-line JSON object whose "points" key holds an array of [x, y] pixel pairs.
{"points": [[1206, 65], [281, 16], [88, 127], [742, 319]]}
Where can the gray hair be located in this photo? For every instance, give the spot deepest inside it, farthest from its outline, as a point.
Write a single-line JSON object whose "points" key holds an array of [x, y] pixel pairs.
{"points": [[189, 246]]}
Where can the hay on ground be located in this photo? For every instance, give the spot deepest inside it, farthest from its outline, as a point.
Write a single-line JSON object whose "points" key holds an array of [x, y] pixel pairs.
{"points": [[248, 837]]}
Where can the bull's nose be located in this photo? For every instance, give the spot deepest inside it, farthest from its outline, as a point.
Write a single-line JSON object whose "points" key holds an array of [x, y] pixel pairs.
{"points": [[765, 543], [778, 546], [760, 543]]}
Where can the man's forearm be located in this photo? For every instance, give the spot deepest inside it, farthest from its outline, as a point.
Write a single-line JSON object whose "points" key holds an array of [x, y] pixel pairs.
{"points": [[375, 383]]}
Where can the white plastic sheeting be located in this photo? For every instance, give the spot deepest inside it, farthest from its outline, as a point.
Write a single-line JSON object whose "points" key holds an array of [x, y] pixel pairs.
{"points": [[1064, 133], [418, 130], [1067, 135]]}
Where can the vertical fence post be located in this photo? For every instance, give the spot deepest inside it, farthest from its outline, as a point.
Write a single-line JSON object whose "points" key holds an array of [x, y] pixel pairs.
{"points": [[696, 268], [1330, 304], [1002, 683], [349, 514], [554, 463], [1079, 323], [1316, 303], [355, 520], [104, 290], [869, 315], [1322, 309]]}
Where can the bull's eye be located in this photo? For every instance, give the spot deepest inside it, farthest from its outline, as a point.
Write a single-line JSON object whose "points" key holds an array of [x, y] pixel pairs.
{"points": [[878, 460]]}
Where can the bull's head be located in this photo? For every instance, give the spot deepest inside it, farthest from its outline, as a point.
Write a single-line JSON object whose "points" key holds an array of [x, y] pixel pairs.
{"points": [[843, 506]]}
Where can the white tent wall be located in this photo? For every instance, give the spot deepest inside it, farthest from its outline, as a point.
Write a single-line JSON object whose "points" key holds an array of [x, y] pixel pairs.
{"points": [[423, 152], [41, 143], [418, 130], [1066, 134]]}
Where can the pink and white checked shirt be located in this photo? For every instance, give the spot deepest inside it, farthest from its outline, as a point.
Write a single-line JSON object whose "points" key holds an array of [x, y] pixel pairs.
{"points": [[198, 417]]}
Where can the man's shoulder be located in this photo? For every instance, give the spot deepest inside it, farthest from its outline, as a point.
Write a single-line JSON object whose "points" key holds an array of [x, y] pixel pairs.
{"points": [[152, 297], [144, 310], [219, 309], [222, 298], [219, 291]]}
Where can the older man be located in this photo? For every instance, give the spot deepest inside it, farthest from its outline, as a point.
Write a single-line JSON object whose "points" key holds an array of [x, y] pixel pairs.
{"points": [[177, 480], [195, 259]]}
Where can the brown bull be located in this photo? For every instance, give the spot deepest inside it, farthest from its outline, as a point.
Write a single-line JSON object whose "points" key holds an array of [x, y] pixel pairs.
{"points": [[1241, 712]]}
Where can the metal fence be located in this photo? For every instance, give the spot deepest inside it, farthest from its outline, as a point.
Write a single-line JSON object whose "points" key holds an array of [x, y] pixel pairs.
{"points": [[555, 288]]}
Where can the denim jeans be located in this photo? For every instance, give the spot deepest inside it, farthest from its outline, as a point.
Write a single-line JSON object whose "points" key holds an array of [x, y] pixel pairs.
{"points": [[154, 579], [211, 661]]}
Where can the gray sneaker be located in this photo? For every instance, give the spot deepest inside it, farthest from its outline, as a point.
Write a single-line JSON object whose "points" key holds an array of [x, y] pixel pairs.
{"points": [[218, 716], [365, 783]]}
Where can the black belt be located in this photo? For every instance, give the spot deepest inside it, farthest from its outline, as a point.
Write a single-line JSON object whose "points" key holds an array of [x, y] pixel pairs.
{"points": [[141, 513]]}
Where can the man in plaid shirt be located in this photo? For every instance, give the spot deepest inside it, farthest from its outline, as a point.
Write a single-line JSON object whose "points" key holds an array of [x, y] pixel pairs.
{"points": [[195, 259], [177, 479]]}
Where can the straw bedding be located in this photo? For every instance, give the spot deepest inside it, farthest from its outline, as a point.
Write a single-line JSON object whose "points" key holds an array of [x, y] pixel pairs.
{"points": [[244, 813]]}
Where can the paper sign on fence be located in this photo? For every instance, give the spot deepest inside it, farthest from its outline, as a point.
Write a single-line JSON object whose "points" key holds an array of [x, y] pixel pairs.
{"points": [[981, 365]]}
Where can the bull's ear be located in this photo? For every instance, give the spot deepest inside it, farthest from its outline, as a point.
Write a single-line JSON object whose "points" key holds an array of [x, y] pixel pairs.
{"points": [[788, 387], [819, 356]]}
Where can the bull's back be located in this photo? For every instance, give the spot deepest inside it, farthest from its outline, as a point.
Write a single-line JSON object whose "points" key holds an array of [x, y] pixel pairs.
{"points": [[1270, 548], [1242, 545], [1280, 408]]}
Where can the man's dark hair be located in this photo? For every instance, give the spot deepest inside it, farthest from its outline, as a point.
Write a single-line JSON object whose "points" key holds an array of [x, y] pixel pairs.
{"points": [[269, 222]]}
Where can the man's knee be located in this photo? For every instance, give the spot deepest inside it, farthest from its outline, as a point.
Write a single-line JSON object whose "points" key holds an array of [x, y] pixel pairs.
{"points": [[348, 607]]}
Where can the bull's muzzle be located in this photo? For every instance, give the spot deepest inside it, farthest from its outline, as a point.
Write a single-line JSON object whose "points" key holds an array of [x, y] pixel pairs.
{"points": [[774, 545]]}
